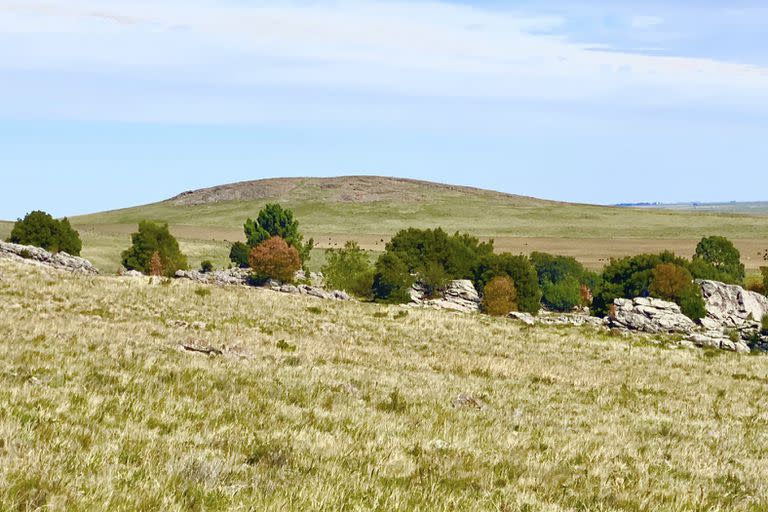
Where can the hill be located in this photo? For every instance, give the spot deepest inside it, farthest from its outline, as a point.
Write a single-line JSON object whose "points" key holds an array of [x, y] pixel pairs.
{"points": [[370, 209], [343, 406]]}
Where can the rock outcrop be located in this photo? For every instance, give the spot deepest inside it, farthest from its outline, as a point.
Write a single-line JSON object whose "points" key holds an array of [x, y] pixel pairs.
{"points": [[459, 295], [650, 315], [235, 276], [716, 339], [38, 256], [731, 306]]}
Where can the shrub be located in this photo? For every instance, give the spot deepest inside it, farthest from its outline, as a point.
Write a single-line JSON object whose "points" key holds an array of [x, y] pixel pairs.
{"points": [[629, 277], [275, 259], [239, 254], [500, 296], [434, 278], [722, 255], [563, 295], [392, 281], [275, 221], [206, 267], [522, 273], [154, 239], [349, 269], [764, 271], [675, 283], [42, 230], [764, 325]]}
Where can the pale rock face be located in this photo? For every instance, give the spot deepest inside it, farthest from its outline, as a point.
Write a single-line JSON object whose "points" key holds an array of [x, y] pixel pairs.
{"points": [[233, 276], [459, 295], [732, 306], [526, 318], [650, 315], [38, 256]]}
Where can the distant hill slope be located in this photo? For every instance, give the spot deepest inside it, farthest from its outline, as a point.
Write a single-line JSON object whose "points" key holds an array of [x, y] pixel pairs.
{"points": [[347, 189], [370, 209]]}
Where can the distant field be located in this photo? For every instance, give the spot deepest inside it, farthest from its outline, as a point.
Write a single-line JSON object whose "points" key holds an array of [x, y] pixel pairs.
{"points": [[329, 406], [752, 208]]}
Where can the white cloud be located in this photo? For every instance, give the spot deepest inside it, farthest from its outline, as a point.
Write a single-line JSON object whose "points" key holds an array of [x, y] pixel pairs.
{"points": [[413, 48]]}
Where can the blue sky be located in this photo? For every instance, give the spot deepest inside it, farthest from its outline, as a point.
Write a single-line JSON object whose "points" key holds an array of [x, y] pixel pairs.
{"points": [[105, 104]]}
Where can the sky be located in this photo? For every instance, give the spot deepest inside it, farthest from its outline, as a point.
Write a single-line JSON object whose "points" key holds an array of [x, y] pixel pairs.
{"points": [[113, 103]]}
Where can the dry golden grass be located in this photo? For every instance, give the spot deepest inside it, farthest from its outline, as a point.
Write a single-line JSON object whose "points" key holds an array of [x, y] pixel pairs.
{"points": [[341, 406]]}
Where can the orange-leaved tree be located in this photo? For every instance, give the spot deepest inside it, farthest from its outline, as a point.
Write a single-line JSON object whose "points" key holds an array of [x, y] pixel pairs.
{"points": [[275, 259]]}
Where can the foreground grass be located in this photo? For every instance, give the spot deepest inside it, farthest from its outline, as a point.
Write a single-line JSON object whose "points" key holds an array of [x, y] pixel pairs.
{"points": [[329, 406]]}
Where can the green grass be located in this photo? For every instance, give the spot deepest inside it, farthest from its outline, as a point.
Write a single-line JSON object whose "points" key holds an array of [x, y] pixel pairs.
{"points": [[346, 409]]}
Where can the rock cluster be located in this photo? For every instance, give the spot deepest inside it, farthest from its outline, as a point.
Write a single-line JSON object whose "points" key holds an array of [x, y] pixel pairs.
{"points": [[36, 255], [730, 306], [459, 295], [234, 276], [716, 339], [311, 291], [650, 315]]}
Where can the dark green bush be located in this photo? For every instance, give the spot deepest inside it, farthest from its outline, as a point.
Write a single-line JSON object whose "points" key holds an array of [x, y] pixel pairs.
{"points": [[206, 267], [764, 323], [275, 221], [692, 303], [239, 254], [764, 271], [522, 272], [392, 281], [42, 230], [629, 277], [154, 239], [719, 253], [564, 295], [349, 269]]}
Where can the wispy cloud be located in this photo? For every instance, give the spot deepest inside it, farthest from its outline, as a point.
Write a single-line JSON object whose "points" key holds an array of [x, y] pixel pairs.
{"points": [[211, 48]]}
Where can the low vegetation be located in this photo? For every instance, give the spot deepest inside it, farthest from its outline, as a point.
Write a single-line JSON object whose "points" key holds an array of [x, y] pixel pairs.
{"points": [[40, 229], [500, 297], [337, 410], [154, 251], [349, 269]]}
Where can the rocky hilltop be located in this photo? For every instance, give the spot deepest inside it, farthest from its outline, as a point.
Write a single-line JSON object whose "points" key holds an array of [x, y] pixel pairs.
{"points": [[35, 255]]}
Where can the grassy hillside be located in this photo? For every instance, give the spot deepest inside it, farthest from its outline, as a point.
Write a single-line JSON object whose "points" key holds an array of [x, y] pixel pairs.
{"points": [[371, 209], [334, 406]]}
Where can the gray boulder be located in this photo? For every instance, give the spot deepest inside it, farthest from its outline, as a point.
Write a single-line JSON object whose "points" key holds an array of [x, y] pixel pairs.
{"points": [[731, 306], [650, 315], [38, 256], [459, 295], [716, 339], [229, 277]]}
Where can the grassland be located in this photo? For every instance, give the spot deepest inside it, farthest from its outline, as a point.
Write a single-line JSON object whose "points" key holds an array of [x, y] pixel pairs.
{"points": [[335, 210], [341, 406]]}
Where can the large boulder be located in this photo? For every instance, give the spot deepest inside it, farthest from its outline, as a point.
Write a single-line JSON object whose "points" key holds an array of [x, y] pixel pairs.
{"points": [[731, 306], [650, 315], [38, 256], [459, 295]]}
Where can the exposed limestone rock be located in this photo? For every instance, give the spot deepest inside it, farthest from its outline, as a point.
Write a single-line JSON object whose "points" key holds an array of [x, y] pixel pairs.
{"points": [[38, 256], [731, 306], [459, 295], [650, 315], [716, 339], [526, 318], [235, 276]]}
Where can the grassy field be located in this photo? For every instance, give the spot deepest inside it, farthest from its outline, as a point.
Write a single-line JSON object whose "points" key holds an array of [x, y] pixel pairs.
{"points": [[341, 406]]}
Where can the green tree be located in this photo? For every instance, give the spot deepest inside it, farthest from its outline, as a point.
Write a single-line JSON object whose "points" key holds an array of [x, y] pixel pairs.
{"points": [[720, 253], [675, 283], [239, 254], [41, 230], [150, 239], [629, 277], [349, 269], [520, 270], [392, 281], [563, 295], [273, 220]]}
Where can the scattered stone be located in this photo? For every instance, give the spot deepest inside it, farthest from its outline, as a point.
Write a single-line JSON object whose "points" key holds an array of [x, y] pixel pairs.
{"points": [[526, 318], [38, 256], [467, 401], [650, 315], [201, 349], [132, 274]]}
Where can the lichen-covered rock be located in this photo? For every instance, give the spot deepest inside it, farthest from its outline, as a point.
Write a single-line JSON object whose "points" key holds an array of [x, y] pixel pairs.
{"points": [[459, 295], [235, 276], [716, 339], [38, 256], [731, 306], [650, 315]]}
